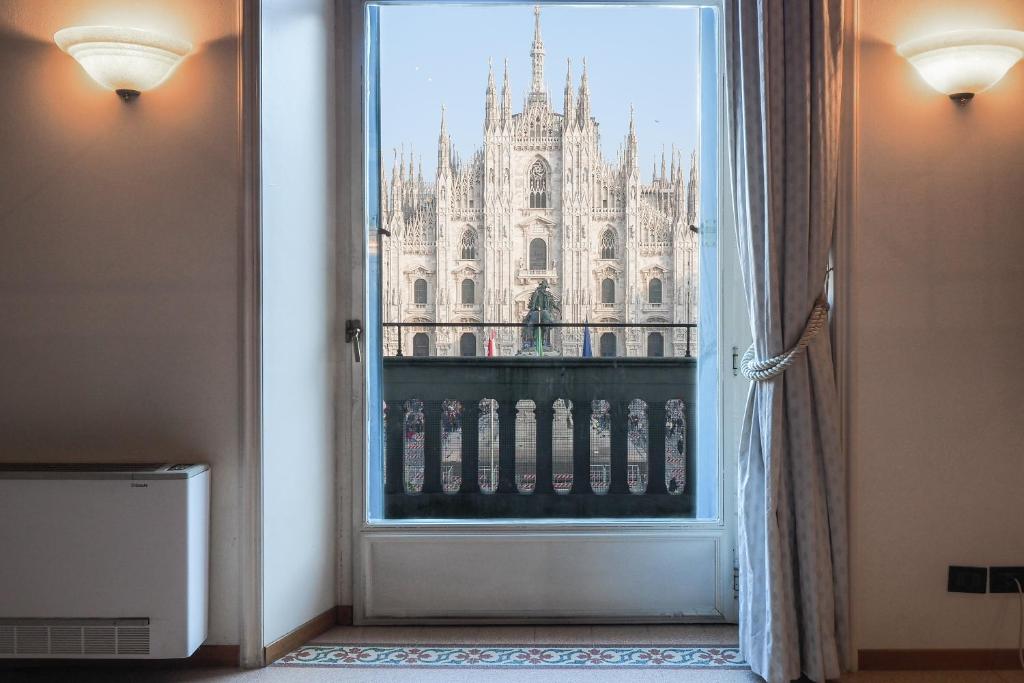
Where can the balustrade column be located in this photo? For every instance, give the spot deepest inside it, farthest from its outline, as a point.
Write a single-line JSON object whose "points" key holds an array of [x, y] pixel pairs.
{"points": [[656, 448], [619, 416], [582, 412], [395, 426], [507, 446], [432, 447], [545, 416], [470, 446]]}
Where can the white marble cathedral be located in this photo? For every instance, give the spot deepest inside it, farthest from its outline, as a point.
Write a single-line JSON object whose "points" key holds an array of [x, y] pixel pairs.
{"points": [[537, 203]]}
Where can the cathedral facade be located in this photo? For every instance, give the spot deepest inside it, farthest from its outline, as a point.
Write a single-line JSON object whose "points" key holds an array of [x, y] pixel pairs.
{"points": [[539, 203]]}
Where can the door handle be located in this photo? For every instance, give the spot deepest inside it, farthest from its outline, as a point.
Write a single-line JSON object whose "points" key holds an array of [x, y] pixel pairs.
{"points": [[353, 332]]}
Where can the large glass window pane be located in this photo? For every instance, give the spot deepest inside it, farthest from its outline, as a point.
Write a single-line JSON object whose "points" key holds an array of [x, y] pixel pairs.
{"points": [[543, 252]]}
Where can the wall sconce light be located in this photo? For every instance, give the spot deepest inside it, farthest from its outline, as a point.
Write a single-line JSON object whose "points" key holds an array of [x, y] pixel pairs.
{"points": [[962, 63], [126, 60]]}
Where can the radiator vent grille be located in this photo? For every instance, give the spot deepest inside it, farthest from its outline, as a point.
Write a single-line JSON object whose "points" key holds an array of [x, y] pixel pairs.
{"points": [[31, 640], [98, 640], [60, 638], [66, 640], [133, 640], [6, 640]]}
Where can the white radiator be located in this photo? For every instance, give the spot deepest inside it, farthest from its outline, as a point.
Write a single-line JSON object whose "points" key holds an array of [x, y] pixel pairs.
{"points": [[103, 561]]}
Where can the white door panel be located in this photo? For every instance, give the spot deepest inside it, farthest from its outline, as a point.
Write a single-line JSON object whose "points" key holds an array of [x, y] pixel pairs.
{"points": [[538, 576]]}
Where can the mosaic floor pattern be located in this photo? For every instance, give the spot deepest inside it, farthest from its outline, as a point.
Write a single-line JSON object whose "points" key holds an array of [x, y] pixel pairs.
{"points": [[556, 656]]}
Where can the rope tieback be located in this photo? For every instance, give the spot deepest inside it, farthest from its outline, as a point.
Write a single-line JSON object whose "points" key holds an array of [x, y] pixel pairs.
{"points": [[764, 370]]}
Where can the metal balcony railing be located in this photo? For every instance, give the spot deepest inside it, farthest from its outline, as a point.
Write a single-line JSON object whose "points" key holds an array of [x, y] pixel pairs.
{"points": [[539, 437]]}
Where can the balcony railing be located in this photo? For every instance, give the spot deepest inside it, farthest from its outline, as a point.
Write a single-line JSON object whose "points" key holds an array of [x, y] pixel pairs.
{"points": [[539, 437]]}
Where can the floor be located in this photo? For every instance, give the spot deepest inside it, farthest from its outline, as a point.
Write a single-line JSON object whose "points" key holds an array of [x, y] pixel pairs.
{"points": [[496, 636]]}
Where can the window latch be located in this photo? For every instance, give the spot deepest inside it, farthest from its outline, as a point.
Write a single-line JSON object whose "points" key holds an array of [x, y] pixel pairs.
{"points": [[353, 331], [735, 361]]}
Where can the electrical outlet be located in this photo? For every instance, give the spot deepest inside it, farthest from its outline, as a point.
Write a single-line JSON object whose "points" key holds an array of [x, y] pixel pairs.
{"points": [[1001, 579], [967, 579]]}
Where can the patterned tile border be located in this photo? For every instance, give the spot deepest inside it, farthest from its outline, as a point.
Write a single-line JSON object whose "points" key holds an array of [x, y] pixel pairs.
{"points": [[489, 656]]}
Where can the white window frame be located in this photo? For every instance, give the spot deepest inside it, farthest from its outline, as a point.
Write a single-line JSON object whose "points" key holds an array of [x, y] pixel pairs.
{"points": [[733, 333]]}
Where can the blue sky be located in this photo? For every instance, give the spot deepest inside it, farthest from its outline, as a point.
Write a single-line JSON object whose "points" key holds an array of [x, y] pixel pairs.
{"points": [[437, 54]]}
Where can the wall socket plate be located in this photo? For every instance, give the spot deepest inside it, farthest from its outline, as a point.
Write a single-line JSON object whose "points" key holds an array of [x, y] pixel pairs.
{"points": [[1001, 579], [967, 579]]}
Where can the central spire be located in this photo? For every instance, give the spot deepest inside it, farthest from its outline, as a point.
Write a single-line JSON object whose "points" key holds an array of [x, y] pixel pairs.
{"points": [[537, 53]]}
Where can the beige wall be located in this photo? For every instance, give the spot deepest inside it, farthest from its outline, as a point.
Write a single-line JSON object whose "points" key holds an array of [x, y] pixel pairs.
{"points": [[936, 338], [119, 232]]}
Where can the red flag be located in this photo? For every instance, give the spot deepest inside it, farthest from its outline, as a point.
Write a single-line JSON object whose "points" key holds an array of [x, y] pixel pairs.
{"points": [[490, 344]]}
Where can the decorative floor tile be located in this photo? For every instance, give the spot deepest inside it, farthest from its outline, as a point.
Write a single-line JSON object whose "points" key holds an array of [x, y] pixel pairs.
{"points": [[563, 656]]}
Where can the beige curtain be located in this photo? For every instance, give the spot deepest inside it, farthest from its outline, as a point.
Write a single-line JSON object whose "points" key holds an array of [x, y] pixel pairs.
{"points": [[784, 102]]}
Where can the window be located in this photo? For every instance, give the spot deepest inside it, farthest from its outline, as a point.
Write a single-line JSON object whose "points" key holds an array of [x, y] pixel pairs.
{"points": [[608, 244], [467, 344], [538, 179], [655, 345], [468, 292], [607, 291], [608, 344], [538, 254], [419, 291], [654, 291], [420, 344], [469, 244]]}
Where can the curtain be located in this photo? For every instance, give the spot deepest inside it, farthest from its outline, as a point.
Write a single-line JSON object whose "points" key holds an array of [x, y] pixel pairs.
{"points": [[784, 104]]}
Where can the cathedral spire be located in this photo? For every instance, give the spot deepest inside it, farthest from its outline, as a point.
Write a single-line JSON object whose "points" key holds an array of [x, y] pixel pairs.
{"points": [[691, 190], [631, 146], [568, 94], [491, 103], [443, 146], [506, 99], [537, 54], [584, 103]]}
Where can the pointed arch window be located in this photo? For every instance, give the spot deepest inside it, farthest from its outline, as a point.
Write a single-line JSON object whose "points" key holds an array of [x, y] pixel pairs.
{"points": [[607, 344], [538, 254], [607, 291], [655, 345], [469, 244], [467, 344], [420, 345], [468, 291], [654, 291], [419, 291], [608, 244], [538, 184]]}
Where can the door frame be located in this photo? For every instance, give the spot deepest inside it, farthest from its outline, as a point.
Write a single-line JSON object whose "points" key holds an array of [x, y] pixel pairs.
{"points": [[351, 437]]}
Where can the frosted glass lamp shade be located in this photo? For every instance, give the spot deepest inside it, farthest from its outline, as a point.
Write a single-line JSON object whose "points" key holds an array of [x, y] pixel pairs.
{"points": [[962, 63], [126, 60]]}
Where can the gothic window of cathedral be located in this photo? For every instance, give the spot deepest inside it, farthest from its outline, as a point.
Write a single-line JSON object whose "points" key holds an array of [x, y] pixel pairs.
{"points": [[469, 244], [655, 345], [538, 179], [468, 292], [467, 344], [654, 291], [538, 254], [420, 345], [607, 291], [419, 291], [607, 344], [608, 244]]}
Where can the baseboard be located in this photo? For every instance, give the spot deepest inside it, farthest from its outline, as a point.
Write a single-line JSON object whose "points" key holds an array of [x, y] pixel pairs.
{"points": [[302, 634], [937, 660], [343, 615]]}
